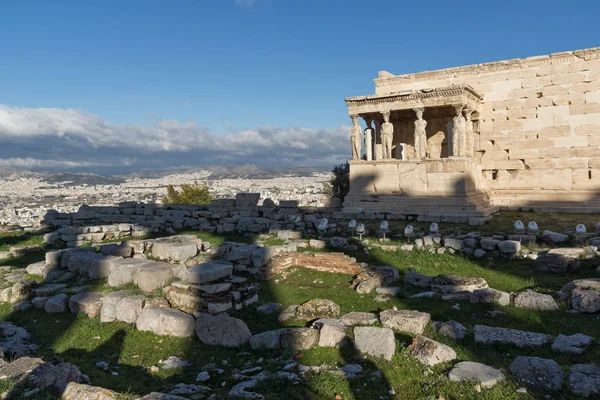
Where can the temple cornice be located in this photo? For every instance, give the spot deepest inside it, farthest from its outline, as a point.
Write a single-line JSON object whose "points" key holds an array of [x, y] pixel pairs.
{"points": [[437, 97]]}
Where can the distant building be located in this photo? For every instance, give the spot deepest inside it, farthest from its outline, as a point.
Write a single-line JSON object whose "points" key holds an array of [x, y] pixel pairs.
{"points": [[462, 142]]}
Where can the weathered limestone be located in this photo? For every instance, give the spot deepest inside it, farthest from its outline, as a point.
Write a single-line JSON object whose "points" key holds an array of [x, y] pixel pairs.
{"points": [[459, 126], [175, 248], [413, 322], [453, 284], [584, 380], [355, 138], [123, 269], [110, 303], [377, 342], [286, 338], [222, 330], [130, 308], [538, 372], [420, 134], [586, 301], [88, 303], [208, 272], [166, 321], [574, 344], [359, 319], [56, 304], [489, 295], [78, 391], [451, 329], [332, 332], [368, 140], [155, 275], [430, 352], [317, 308], [490, 335], [531, 300], [387, 135], [472, 371], [561, 260], [418, 280]]}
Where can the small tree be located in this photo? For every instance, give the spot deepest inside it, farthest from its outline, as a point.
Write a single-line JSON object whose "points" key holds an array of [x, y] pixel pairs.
{"points": [[191, 193], [339, 185]]}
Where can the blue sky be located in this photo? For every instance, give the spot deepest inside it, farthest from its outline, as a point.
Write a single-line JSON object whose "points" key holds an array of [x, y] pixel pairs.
{"points": [[225, 67]]}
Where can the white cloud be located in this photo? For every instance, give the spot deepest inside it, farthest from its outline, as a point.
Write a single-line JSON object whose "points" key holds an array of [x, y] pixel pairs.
{"points": [[36, 163], [69, 138]]}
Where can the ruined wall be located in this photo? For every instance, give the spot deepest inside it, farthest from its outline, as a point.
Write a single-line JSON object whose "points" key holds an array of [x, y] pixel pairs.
{"points": [[539, 126]]}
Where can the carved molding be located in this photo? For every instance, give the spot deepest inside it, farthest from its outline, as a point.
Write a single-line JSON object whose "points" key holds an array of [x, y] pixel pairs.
{"points": [[425, 160], [358, 101]]}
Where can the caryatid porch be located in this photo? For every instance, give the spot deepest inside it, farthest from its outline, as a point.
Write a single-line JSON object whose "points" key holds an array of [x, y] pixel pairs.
{"points": [[420, 154]]}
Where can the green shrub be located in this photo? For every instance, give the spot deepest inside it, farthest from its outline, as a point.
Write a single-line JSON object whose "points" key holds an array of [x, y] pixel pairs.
{"points": [[190, 193], [339, 185]]}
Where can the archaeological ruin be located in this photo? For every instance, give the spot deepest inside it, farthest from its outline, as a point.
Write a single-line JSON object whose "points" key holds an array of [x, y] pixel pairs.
{"points": [[463, 142]]}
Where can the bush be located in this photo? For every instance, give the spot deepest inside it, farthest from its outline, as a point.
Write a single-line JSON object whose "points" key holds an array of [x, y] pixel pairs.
{"points": [[339, 185], [191, 193]]}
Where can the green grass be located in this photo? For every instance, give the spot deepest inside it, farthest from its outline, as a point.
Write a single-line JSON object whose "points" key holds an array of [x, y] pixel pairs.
{"points": [[20, 238]]}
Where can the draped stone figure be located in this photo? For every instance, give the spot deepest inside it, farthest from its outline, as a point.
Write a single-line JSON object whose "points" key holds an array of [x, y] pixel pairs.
{"points": [[368, 140], [420, 134], [387, 135], [355, 136], [458, 133], [469, 134]]}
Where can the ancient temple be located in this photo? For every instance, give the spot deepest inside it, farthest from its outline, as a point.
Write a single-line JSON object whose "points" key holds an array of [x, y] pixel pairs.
{"points": [[460, 143]]}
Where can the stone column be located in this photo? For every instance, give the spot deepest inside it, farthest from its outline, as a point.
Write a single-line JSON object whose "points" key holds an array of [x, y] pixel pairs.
{"points": [[469, 134], [368, 142], [377, 139], [458, 132], [420, 134], [355, 137]]}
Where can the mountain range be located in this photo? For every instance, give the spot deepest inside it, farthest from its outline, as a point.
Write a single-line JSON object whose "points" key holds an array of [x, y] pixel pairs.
{"points": [[215, 172]]}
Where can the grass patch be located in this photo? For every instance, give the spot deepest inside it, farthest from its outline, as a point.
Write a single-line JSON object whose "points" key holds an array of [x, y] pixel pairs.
{"points": [[20, 238]]}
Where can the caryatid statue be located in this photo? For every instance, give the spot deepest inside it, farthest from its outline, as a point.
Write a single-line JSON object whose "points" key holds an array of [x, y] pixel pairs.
{"points": [[469, 134], [368, 139], [355, 136], [458, 133], [387, 135], [420, 134]]}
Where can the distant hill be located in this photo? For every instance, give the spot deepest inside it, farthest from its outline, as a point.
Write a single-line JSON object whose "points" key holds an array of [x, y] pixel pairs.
{"points": [[213, 172], [254, 172]]}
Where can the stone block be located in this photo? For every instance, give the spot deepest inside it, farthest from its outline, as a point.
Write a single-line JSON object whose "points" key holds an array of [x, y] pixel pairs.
{"points": [[377, 342], [89, 303], [130, 308], [110, 302], [209, 272], [413, 322], [174, 250], [247, 199], [166, 321], [155, 276]]}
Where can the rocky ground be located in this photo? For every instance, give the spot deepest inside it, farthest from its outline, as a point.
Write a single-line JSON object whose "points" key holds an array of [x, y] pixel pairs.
{"points": [[292, 315]]}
